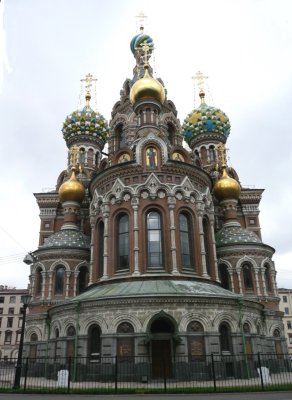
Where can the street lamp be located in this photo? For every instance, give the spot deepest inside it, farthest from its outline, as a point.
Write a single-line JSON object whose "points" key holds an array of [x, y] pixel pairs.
{"points": [[25, 299]]}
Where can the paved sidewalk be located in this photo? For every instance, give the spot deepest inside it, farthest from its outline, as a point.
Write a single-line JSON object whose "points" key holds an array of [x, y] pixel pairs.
{"points": [[206, 396]]}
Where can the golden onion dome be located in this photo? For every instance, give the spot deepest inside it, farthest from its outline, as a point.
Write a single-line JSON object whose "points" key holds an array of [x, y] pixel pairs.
{"points": [[72, 190], [226, 187], [147, 88]]}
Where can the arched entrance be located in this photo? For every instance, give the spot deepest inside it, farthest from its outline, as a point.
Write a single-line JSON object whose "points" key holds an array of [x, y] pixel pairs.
{"points": [[162, 330]]}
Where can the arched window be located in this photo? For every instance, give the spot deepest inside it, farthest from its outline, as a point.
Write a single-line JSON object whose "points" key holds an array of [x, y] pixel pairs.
{"points": [[171, 133], [125, 342], [224, 276], [268, 279], [59, 279], [247, 340], [94, 342], [33, 345], [203, 152], [38, 282], [184, 233], [82, 155], [225, 337], [100, 230], [120, 137], [212, 153], [123, 242], [56, 343], [196, 343], [82, 281], [71, 332], [207, 245], [247, 276], [90, 157], [154, 240]]}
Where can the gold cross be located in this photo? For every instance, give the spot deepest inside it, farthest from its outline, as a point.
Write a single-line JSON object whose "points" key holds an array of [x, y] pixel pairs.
{"points": [[146, 49], [222, 151], [141, 17], [74, 151], [201, 79], [88, 82]]}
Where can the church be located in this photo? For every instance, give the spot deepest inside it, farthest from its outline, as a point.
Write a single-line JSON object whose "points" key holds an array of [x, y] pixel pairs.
{"points": [[149, 246]]}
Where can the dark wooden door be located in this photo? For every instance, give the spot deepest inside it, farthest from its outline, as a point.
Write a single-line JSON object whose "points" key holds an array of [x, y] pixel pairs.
{"points": [[161, 359]]}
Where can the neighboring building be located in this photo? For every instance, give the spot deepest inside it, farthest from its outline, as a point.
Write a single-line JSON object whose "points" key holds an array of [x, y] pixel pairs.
{"points": [[285, 306], [10, 321], [150, 249]]}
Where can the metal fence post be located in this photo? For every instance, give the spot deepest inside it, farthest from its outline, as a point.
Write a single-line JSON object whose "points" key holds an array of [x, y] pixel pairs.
{"points": [[213, 372], [116, 374], [164, 372], [69, 374], [25, 374], [261, 372]]}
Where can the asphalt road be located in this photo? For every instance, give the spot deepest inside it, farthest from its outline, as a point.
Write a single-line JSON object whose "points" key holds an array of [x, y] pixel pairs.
{"points": [[207, 396]]}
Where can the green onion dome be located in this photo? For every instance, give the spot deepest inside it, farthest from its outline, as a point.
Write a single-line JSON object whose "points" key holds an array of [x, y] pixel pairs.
{"points": [[205, 120], [139, 39], [85, 124]]}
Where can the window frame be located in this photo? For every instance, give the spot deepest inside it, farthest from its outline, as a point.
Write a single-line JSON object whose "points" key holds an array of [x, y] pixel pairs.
{"points": [[160, 264]]}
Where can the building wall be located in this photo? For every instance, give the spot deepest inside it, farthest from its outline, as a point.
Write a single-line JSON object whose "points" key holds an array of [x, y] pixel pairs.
{"points": [[285, 306], [10, 321]]}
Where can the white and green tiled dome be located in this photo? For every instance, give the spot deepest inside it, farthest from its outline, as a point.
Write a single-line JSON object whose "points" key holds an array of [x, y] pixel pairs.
{"points": [[85, 124], [205, 120], [231, 235], [67, 238]]}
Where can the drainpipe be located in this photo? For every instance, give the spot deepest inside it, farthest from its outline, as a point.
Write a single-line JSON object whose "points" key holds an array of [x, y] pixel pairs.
{"points": [[48, 323], [76, 341], [240, 302]]}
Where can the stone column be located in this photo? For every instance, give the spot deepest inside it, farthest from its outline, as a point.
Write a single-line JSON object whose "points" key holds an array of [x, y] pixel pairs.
{"points": [[238, 271], [76, 273], [256, 272], [135, 205], [91, 251], [68, 273], [230, 271], [50, 274], [214, 247], [43, 284], [171, 205], [264, 281], [200, 206], [105, 212]]}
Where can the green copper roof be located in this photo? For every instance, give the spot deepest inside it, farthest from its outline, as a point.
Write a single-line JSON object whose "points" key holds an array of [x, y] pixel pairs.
{"points": [[67, 238], [154, 288], [235, 235]]}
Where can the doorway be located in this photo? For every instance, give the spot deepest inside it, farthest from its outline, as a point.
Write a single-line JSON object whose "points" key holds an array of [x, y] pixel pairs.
{"points": [[162, 330]]}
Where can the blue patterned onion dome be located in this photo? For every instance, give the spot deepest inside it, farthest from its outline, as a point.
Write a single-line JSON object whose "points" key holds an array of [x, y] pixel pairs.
{"points": [[139, 39], [85, 123], [205, 120]]}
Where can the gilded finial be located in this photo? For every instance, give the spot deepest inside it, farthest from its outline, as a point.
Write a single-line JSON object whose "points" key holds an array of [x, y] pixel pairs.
{"points": [[88, 85], [222, 154], [146, 49]]}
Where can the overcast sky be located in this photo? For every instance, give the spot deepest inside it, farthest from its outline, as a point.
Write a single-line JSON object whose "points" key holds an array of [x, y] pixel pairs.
{"points": [[46, 47]]}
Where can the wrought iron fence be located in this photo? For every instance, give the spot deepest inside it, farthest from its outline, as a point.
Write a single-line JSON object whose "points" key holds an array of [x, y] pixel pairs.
{"points": [[139, 374]]}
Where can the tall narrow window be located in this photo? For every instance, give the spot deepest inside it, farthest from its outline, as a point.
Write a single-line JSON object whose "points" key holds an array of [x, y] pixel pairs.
{"points": [[125, 342], [100, 230], [39, 282], [225, 337], [196, 342], [212, 154], [82, 280], [154, 239], [268, 279], [247, 277], [224, 276], [94, 343], [119, 133], [71, 332], [184, 232], [33, 345], [59, 279], [207, 245], [123, 242]]}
